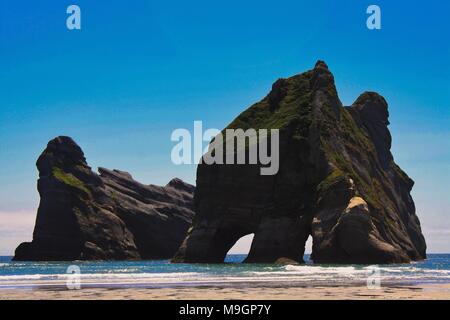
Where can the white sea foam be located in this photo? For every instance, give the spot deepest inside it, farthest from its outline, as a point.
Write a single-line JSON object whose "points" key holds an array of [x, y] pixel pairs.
{"points": [[319, 269], [88, 276], [163, 274], [289, 274]]}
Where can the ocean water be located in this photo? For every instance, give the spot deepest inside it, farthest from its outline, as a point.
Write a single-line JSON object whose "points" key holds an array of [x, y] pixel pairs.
{"points": [[162, 273]]}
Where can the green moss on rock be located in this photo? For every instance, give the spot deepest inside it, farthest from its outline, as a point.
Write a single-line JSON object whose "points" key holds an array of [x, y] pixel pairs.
{"points": [[333, 178], [292, 109], [69, 179]]}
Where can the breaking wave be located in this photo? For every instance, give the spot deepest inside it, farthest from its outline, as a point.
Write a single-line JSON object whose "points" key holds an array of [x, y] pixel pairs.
{"points": [[164, 274]]}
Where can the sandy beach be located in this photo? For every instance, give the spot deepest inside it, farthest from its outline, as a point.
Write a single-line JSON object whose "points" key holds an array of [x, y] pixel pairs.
{"points": [[430, 292]]}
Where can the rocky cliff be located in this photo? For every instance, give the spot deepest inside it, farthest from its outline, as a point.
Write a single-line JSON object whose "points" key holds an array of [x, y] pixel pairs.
{"points": [[337, 182], [86, 216]]}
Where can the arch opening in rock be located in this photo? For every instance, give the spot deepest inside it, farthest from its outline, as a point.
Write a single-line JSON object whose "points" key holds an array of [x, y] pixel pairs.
{"points": [[308, 249], [240, 250]]}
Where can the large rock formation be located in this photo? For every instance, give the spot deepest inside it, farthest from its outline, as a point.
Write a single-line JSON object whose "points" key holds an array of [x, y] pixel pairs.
{"points": [[337, 182], [86, 216]]}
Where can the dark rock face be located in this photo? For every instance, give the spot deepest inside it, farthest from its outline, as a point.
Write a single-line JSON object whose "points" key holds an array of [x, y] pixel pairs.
{"points": [[337, 182], [86, 216]]}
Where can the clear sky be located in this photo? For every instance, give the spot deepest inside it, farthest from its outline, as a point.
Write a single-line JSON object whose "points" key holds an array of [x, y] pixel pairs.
{"points": [[137, 70]]}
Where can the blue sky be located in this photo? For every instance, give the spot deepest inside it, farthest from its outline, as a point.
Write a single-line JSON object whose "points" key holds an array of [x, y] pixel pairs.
{"points": [[135, 72]]}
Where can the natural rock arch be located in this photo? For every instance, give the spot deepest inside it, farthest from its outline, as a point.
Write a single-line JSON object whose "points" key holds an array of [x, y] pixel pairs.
{"points": [[337, 181]]}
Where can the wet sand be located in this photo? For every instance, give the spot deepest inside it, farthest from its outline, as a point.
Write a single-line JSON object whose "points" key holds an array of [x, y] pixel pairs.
{"points": [[435, 291]]}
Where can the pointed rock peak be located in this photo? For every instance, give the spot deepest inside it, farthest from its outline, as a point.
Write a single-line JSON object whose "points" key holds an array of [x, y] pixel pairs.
{"points": [[62, 152], [322, 78], [370, 96], [65, 147], [321, 64], [371, 111], [325, 93], [372, 107]]}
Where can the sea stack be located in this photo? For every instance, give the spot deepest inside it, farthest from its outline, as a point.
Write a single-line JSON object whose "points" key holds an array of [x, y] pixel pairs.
{"points": [[337, 182], [83, 215]]}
